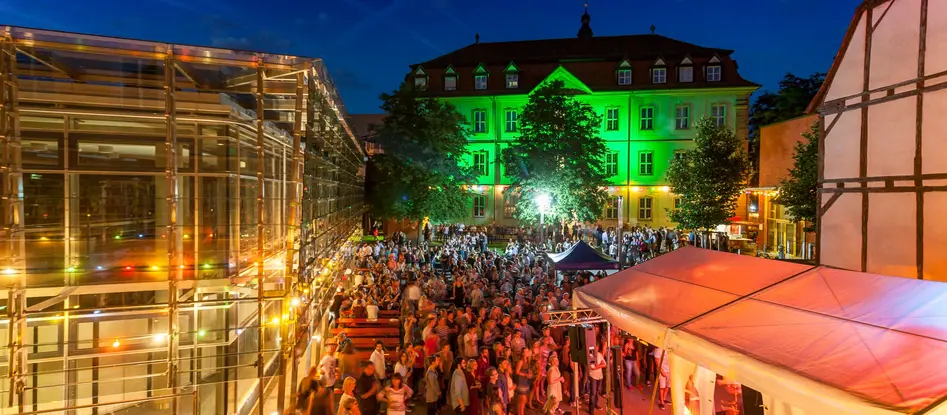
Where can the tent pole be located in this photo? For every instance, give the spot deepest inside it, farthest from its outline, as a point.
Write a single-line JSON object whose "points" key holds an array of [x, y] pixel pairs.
{"points": [[609, 393]]}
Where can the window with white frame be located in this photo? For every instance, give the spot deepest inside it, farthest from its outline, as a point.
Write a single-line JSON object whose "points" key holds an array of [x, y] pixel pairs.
{"points": [[511, 121], [719, 113], [682, 117], [685, 74], [611, 209], [624, 77], [479, 206], [509, 204], [480, 121], [420, 82], [678, 154], [645, 163], [450, 82], [713, 73], [480, 82], [647, 118], [611, 119], [512, 80], [611, 164], [659, 75], [645, 205], [481, 163]]}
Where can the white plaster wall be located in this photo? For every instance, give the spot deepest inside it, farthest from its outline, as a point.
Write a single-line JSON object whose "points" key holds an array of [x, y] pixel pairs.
{"points": [[935, 60], [891, 137], [841, 233], [892, 234], [894, 43], [934, 132], [841, 145], [848, 79], [935, 236]]}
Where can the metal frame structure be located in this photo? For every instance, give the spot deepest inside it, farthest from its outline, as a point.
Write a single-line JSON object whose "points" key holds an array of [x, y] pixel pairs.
{"points": [[870, 15], [569, 318], [182, 217]]}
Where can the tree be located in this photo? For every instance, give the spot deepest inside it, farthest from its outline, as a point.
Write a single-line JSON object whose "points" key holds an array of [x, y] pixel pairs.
{"points": [[789, 102], [709, 177], [558, 152], [797, 192], [421, 172]]}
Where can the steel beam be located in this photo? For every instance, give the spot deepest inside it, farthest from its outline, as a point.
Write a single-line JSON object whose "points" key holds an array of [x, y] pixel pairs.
{"points": [[260, 232], [174, 257]]}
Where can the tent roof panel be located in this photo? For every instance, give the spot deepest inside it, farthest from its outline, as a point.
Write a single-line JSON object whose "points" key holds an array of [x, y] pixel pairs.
{"points": [[877, 339], [740, 275], [581, 256]]}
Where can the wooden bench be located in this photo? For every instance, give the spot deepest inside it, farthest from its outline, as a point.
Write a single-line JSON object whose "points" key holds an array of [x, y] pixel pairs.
{"points": [[369, 342], [365, 322], [368, 331]]}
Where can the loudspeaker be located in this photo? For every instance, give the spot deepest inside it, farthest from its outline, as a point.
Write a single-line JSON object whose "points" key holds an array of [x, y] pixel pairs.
{"points": [[582, 344], [752, 401]]}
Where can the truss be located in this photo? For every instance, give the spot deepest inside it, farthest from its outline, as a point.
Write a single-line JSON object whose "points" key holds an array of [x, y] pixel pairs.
{"points": [[572, 317]]}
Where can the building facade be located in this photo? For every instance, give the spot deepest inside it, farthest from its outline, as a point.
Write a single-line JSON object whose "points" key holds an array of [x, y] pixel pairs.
{"points": [[170, 215], [882, 158], [779, 232], [649, 89]]}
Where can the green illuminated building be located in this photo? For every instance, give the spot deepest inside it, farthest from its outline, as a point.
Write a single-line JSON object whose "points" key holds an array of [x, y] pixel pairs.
{"points": [[649, 88]]}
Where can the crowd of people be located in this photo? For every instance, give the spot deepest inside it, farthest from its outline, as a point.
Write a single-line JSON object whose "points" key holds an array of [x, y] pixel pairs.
{"points": [[472, 336]]}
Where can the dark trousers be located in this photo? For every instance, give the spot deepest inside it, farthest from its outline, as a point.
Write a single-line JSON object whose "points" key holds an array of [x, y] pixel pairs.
{"points": [[595, 387], [432, 408]]}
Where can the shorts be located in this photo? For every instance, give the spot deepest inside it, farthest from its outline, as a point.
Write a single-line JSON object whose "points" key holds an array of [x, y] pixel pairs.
{"points": [[662, 381]]}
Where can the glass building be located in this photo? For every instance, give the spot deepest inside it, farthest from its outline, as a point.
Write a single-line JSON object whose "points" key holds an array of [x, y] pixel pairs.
{"points": [[171, 218]]}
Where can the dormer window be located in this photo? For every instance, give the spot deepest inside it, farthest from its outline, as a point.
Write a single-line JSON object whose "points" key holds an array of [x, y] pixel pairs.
{"points": [[480, 82], [512, 76], [420, 82], [623, 73], [659, 72], [450, 79], [420, 78], [512, 80], [714, 73], [685, 72]]}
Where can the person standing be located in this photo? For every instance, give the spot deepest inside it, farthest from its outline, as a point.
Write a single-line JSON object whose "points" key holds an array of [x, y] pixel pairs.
{"points": [[378, 360], [632, 368], [396, 395], [554, 387], [327, 365], [459, 394], [348, 395], [664, 368], [596, 375], [366, 388], [432, 385], [321, 400]]}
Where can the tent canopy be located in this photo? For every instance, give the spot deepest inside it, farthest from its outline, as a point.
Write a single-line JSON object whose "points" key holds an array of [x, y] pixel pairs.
{"points": [[581, 256], [827, 340]]}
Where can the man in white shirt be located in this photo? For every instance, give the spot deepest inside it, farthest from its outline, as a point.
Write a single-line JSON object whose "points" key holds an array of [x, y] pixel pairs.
{"points": [[470, 343], [359, 280], [327, 366], [661, 361], [378, 360], [596, 375], [372, 310]]}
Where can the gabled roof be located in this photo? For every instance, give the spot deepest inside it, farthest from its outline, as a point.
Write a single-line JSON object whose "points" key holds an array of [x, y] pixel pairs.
{"points": [[582, 257], [633, 47], [570, 80], [820, 95]]}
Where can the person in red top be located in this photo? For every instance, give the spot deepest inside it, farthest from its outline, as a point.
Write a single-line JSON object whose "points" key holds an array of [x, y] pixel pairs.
{"points": [[431, 344], [483, 362], [417, 368]]}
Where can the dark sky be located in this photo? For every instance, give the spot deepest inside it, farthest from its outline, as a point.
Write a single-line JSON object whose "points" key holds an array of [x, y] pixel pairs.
{"points": [[368, 44]]}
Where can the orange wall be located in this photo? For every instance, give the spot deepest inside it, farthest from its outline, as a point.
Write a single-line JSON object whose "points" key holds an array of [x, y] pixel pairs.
{"points": [[776, 147]]}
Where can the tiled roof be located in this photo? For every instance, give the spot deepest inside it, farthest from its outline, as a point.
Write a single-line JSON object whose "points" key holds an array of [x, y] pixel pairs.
{"points": [[632, 47]]}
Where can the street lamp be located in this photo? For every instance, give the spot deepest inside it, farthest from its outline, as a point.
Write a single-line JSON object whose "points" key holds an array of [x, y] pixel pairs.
{"points": [[542, 202]]}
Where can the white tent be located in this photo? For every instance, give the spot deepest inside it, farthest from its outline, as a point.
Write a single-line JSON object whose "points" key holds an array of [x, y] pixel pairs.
{"points": [[812, 340]]}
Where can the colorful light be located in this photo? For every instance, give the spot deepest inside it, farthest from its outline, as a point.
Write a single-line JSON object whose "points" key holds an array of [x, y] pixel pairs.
{"points": [[99, 267], [9, 271], [201, 333], [71, 269], [275, 321], [128, 268], [116, 343], [43, 238], [118, 236], [155, 268], [141, 236]]}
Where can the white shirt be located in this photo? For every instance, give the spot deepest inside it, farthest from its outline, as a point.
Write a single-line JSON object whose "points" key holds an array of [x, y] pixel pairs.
{"points": [[597, 373], [378, 359], [328, 364], [359, 279], [372, 311]]}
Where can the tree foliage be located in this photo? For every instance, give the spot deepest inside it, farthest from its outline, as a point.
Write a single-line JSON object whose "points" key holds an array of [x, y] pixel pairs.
{"points": [[422, 168], [558, 152], [709, 177], [798, 191]]}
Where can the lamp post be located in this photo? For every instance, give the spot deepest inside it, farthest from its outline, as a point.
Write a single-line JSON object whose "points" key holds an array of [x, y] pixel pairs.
{"points": [[542, 202], [621, 214]]}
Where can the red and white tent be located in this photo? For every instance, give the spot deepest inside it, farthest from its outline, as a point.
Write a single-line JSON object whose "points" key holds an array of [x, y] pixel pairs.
{"points": [[812, 340]]}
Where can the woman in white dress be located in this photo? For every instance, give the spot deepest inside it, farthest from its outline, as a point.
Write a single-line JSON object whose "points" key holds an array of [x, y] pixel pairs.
{"points": [[554, 386]]}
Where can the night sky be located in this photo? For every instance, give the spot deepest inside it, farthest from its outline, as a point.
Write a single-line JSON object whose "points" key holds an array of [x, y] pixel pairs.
{"points": [[368, 44]]}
